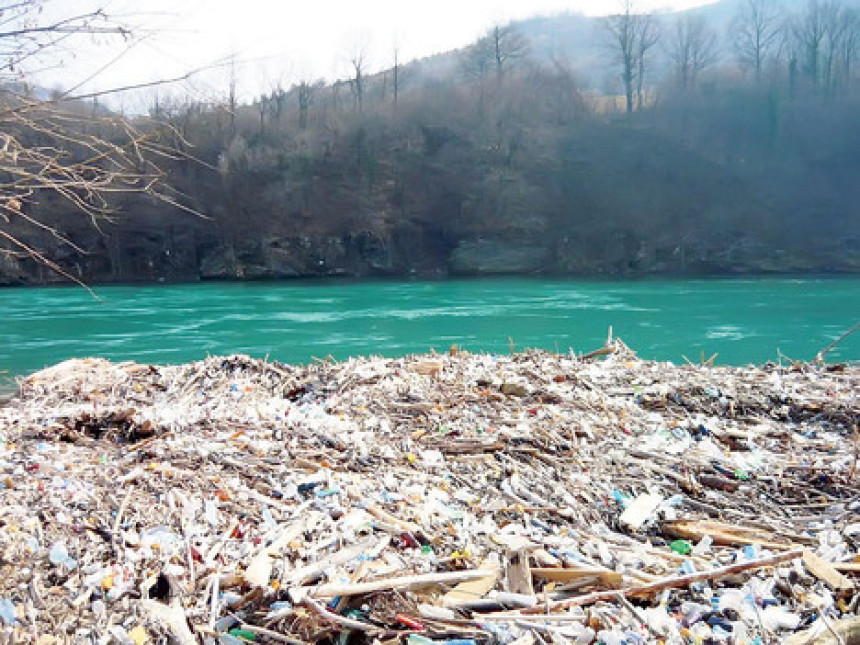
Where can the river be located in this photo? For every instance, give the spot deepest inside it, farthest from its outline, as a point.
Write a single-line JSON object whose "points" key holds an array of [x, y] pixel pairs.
{"points": [[742, 320]]}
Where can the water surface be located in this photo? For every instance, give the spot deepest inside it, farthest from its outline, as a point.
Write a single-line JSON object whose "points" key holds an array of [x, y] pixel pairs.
{"points": [[744, 321]]}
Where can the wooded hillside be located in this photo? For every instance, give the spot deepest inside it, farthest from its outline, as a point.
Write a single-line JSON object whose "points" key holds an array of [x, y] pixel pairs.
{"points": [[693, 155]]}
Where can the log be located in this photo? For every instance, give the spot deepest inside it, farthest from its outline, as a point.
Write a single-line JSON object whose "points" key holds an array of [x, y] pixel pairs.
{"points": [[403, 582], [674, 582]]}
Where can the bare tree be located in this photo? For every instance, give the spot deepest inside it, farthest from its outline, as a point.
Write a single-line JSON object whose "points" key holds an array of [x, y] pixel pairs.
{"points": [[850, 43], [757, 31], [278, 101], [476, 64], [631, 35], [477, 60], [692, 48], [358, 81], [263, 108], [839, 45], [507, 44], [554, 88], [305, 92], [809, 31], [232, 99], [400, 76], [497, 50], [396, 77], [621, 34], [649, 36], [65, 146]]}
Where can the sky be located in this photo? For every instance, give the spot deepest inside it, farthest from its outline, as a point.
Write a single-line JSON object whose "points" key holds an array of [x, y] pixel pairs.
{"points": [[278, 42]]}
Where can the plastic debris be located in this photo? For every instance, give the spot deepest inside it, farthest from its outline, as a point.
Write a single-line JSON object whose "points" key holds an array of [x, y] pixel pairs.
{"points": [[461, 499], [7, 612]]}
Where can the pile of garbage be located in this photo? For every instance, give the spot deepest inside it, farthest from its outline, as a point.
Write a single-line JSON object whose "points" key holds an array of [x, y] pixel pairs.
{"points": [[455, 498]]}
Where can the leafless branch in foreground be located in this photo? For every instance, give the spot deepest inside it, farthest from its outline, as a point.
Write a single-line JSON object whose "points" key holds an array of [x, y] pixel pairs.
{"points": [[63, 147]]}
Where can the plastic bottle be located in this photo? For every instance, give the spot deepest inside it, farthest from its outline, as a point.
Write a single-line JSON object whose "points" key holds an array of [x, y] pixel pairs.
{"points": [[98, 608], [7, 612], [703, 547], [418, 639], [775, 619], [610, 637], [59, 555], [211, 512], [737, 600], [243, 634], [268, 518], [693, 612]]}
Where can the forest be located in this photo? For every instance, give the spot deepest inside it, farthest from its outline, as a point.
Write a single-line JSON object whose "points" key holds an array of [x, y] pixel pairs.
{"points": [[721, 140]]}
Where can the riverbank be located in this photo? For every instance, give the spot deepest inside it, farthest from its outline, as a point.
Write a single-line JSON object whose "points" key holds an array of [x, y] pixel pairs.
{"points": [[436, 496]]}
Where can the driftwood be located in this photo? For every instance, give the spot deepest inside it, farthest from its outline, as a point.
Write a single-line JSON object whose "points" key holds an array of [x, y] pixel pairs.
{"points": [[399, 583], [822, 354], [674, 582], [437, 493]]}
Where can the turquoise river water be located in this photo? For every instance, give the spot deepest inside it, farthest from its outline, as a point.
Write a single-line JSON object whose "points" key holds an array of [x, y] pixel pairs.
{"points": [[744, 320]]}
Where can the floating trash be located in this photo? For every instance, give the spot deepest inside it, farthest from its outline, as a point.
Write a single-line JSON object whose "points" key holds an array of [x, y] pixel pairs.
{"points": [[464, 499]]}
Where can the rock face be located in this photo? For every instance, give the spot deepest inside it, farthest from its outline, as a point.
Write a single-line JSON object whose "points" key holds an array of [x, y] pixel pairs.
{"points": [[12, 270], [179, 253], [488, 257], [296, 257]]}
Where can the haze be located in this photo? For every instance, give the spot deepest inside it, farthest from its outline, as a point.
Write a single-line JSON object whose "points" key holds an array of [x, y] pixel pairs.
{"points": [[280, 42]]}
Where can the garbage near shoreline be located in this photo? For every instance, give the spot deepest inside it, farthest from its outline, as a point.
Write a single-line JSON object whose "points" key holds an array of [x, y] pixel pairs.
{"points": [[454, 498]]}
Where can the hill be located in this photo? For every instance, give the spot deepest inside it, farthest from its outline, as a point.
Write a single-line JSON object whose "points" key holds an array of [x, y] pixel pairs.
{"points": [[513, 155]]}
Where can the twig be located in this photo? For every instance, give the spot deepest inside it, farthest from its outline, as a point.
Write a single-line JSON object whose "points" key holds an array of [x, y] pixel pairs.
{"points": [[121, 511], [830, 628], [856, 437], [603, 351], [819, 357], [638, 616], [343, 621], [275, 636]]}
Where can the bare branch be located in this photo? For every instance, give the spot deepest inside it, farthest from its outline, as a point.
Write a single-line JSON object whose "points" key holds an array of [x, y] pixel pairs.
{"points": [[61, 148]]}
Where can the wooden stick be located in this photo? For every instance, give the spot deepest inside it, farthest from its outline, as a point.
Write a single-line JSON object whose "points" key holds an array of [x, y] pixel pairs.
{"points": [[819, 357], [603, 351], [847, 567], [259, 569], [403, 582], [830, 628], [606, 577], [381, 514], [826, 572], [638, 616], [669, 583], [301, 575], [117, 523], [337, 619], [275, 636], [721, 533]]}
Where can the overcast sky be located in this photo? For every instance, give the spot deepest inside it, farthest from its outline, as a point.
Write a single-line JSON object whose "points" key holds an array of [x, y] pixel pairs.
{"points": [[285, 40]]}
